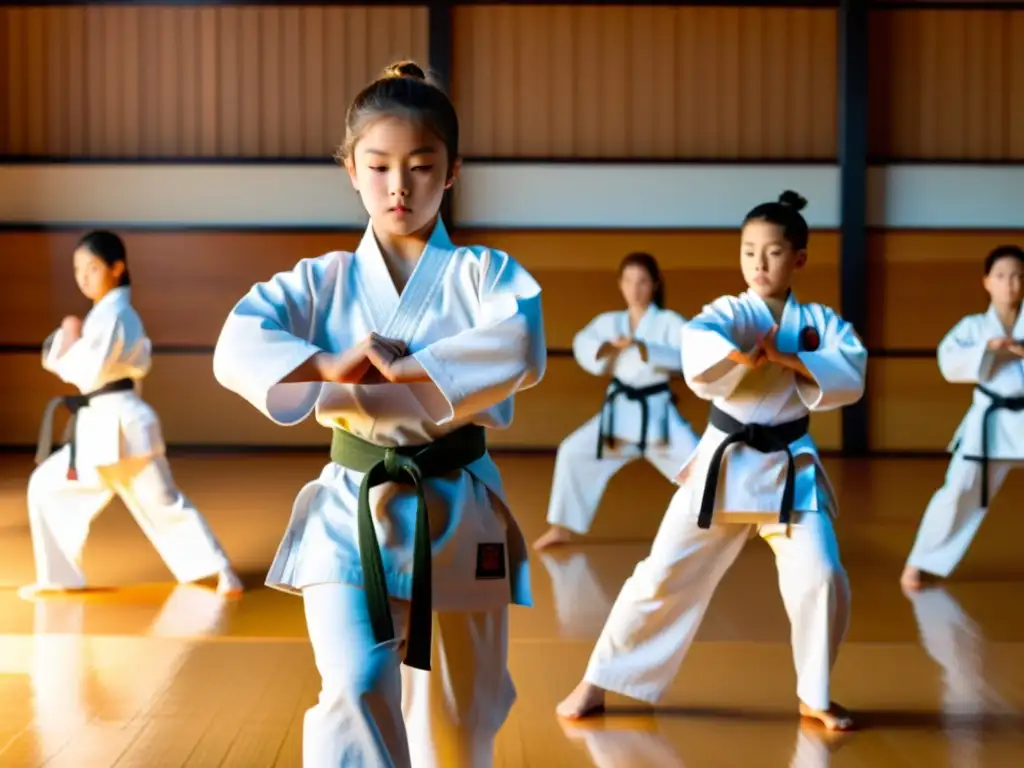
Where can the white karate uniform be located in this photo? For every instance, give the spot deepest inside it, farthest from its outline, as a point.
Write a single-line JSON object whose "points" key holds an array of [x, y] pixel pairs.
{"points": [[472, 318], [580, 476], [660, 607], [955, 512], [120, 450]]}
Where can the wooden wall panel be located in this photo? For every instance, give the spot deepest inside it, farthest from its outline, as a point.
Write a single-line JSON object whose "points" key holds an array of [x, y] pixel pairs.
{"points": [[210, 415], [622, 81], [911, 407], [920, 283], [184, 283], [947, 85], [245, 81]]}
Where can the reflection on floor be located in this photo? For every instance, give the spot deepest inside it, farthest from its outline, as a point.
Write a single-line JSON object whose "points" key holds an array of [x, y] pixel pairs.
{"points": [[143, 673]]}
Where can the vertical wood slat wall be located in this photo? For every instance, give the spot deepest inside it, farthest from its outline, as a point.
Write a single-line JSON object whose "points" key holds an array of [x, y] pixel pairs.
{"points": [[646, 82], [652, 82], [947, 85], [217, 82], [266, 81]]}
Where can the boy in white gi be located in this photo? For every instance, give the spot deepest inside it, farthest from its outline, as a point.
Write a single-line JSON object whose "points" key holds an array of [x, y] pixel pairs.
{"points": [[987, 351], [766, 362]]}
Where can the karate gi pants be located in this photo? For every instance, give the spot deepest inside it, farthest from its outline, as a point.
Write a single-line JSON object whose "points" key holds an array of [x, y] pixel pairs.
{"points": [[954, 515], [375, 711], [581, 478], [660, 607], [61, 511]]}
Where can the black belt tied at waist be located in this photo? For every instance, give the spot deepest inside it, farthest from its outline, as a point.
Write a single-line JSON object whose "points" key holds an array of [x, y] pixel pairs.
{"points": [[996, 403], [761, 437], [408, 465], [606, 434], [74, 403]]}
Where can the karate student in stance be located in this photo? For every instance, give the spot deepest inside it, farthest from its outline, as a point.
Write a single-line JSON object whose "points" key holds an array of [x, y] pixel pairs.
{"points": [[114, 442], [639, 348], [765, 361], [986, 350], [404, 548]]}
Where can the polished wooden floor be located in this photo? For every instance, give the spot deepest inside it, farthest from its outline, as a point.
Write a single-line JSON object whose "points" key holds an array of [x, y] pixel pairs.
{"points": [[142, 673]]}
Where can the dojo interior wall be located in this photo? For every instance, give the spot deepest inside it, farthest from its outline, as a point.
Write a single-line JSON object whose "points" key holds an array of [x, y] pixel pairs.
{"points": [[202, 134]]}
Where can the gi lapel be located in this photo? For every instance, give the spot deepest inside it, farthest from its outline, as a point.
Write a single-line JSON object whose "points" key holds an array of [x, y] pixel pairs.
{"points": [[397, 316]]}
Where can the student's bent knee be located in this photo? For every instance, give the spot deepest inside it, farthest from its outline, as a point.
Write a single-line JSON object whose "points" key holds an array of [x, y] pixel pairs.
{"points": [[350, 681], [652, 578], [828, 575], [154, 485]]}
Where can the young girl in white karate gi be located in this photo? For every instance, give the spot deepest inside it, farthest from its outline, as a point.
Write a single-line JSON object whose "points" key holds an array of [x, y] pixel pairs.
{"points": [[765, 361], [114, 441], [404, 547], [986, 350], [639, 348]]}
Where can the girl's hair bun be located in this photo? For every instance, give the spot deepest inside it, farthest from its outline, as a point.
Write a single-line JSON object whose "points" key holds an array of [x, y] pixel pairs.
{"points": [[793, 199], [404, 69]]}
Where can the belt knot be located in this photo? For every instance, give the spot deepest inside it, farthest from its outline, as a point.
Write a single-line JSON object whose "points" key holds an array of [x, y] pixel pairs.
{"points": [[75, 403], [757, 437], [398, 466]]}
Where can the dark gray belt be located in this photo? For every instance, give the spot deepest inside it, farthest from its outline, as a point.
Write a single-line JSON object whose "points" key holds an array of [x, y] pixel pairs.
{"points": [[616, 389], [74, 403], [996, 403]]}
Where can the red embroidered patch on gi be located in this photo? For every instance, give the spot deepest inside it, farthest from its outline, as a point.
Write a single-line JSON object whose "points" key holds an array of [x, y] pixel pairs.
{"points": [[490, 561], [809, 339]]}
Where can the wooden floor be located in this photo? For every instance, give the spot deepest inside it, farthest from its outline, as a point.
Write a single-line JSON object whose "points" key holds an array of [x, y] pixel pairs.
{"points": [[146, 674]]}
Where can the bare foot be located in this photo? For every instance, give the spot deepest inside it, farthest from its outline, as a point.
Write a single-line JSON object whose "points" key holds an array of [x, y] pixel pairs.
{"points": [[911, 578], [228, 584], [584, 701], [834, 719], [914, 579], [555, 535]]}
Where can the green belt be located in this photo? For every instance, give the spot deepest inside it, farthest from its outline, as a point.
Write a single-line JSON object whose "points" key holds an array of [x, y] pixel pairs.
{"points": [[409, 465]]}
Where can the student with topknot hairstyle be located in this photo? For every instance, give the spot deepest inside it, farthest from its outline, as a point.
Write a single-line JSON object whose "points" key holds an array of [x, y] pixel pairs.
{"points": [[404, 548], [766, 361]]}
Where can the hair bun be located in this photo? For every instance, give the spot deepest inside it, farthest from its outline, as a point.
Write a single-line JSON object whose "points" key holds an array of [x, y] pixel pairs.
{"points": [[405, 68], [793, 199]]}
